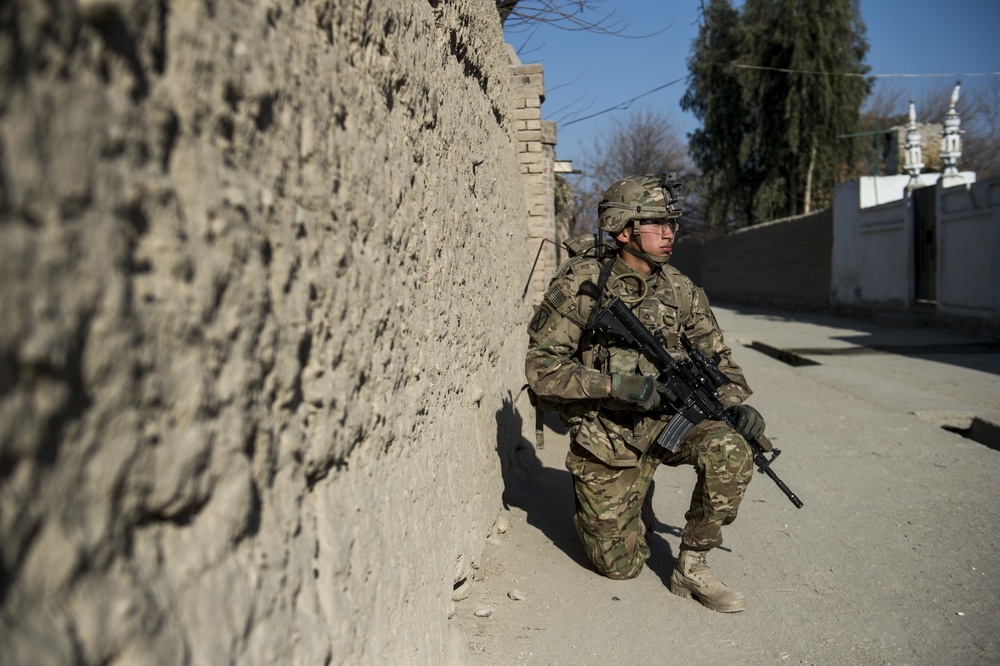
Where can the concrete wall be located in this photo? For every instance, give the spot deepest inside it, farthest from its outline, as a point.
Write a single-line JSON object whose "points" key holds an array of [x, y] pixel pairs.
{"points": [[861, 254], [873, 245], [785, 262], [688, 258], [261, 266], [968, 253]]}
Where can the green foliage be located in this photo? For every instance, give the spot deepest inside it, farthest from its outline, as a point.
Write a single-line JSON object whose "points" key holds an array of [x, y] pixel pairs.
{"points": [[563, 196], [774, 83], [715, 96]]}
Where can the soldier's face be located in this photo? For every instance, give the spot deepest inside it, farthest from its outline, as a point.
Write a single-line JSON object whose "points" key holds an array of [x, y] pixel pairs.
{"points": [[656, 237]]}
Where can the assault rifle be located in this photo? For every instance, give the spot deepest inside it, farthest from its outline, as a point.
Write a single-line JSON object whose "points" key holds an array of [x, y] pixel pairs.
{"points": [[690, 386]]}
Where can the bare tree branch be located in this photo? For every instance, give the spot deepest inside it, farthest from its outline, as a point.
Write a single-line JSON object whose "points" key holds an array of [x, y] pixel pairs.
{"points": [[644, 141], [505, 7], [573, 15]]}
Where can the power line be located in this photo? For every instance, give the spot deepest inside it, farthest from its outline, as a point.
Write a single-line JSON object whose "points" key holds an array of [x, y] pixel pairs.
{"points": [[873, 76], [622, 106], [627, 103]]}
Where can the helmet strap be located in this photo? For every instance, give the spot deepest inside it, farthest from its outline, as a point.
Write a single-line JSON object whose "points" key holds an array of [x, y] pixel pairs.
{"points": [[653, 261]]}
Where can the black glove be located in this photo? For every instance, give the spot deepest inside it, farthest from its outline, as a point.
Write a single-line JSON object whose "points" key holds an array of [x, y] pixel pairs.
{"points": [[638, 390], [749, 422]]}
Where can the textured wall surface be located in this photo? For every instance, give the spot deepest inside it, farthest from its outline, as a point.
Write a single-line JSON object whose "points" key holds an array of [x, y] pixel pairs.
{"points": [[785, 262], [261, 329]]}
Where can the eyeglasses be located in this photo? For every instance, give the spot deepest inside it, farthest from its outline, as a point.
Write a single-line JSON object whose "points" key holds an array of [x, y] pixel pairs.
{"points": [[659, 227]]}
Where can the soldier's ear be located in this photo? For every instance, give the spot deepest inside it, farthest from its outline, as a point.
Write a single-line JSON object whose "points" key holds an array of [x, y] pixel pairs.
{"points": [[624, 235]]}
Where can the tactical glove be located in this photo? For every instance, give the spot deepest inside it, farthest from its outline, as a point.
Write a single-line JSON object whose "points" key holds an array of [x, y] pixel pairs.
{"points": [[748, 420], [638, 390]]}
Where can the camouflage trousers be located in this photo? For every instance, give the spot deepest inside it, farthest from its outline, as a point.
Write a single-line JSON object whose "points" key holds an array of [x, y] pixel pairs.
{"points": [[609, 500]]}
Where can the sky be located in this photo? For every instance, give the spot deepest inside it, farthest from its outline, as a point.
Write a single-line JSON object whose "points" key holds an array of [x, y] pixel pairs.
{"points": [[587, 73]]}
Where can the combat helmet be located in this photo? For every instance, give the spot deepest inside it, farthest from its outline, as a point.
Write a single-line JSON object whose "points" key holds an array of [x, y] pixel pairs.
{"points": [[643, 197]]}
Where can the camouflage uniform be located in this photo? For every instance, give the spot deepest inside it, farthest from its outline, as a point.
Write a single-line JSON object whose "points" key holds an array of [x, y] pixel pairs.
{"points": [[611, 457]]}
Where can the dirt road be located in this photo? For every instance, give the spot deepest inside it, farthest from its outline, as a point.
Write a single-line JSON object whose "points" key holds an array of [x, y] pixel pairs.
{"points": [[893, 559]]}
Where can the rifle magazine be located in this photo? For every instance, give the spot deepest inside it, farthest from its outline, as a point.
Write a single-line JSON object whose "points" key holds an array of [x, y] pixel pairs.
{"points": [[671, 436]]}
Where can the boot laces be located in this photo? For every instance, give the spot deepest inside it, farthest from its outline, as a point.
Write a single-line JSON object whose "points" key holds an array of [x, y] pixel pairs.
{"points": [[698, 563]]}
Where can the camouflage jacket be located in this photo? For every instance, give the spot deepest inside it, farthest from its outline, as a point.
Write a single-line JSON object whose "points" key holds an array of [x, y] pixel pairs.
{"points": [[568, 369]]}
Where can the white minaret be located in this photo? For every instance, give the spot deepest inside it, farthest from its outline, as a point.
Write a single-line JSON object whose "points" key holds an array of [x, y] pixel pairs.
{"points": [[951, 140], [913, 164]]}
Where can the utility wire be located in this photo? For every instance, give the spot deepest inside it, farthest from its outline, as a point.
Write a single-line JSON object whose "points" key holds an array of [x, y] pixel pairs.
{"points": [[873, 76], [627, 103], [622, 106]]}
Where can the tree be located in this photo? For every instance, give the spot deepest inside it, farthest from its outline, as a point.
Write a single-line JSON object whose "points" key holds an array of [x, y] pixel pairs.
{"points": [[981, 152], [868, 150], [782, 79], [568, 14], [574, 15], [731, 177], [643, 141], [827, 37]]}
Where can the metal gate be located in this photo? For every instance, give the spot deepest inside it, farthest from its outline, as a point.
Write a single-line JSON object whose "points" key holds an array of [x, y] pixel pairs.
{"points": [[924, 202]]}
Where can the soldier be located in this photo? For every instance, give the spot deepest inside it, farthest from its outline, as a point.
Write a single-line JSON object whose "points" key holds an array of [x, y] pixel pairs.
{"points": [[607, 396]]}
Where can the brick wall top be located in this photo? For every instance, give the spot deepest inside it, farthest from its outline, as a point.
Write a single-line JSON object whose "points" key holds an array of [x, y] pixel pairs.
{"points": [[549, 132], [524, 70]]}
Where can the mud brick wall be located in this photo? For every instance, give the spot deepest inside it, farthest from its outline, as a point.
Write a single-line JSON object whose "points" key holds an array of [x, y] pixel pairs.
{"points": [[261, 329]]}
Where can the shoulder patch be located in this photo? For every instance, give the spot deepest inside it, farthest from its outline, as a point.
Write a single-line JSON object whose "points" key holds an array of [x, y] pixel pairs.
{"points": [[538, 322], [555, 305], [556, 296]]}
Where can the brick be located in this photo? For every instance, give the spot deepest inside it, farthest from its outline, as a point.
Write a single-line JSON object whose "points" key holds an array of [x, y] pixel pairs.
{"points": [[527, 70]]}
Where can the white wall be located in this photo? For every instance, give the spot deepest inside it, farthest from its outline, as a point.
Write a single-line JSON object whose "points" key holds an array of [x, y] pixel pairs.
{"points": [[968, 252], [872, 255], [870, 249]]}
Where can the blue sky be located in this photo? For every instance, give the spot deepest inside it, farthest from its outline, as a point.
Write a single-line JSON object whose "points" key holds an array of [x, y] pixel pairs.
{"points": [[586, 73]]}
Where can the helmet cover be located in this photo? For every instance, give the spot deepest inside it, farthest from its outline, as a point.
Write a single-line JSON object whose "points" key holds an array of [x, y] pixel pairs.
{"points": [[642, 197]]}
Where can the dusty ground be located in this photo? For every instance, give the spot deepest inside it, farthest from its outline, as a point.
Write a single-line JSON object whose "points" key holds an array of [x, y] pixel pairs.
{"points": [[893, 559]]}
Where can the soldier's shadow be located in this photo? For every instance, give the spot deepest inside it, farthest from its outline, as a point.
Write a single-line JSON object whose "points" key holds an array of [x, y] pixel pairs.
{"points": [[545, 494]]}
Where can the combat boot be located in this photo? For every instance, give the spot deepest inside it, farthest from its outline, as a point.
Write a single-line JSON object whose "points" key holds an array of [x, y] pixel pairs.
{"points": [[692, 577]]}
